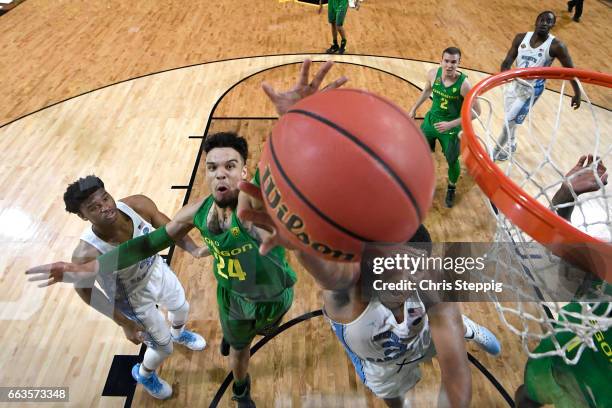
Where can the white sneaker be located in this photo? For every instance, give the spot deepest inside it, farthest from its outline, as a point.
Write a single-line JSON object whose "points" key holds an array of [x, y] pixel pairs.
{"points": [[154, 385], [483, 337], [191, 340]]}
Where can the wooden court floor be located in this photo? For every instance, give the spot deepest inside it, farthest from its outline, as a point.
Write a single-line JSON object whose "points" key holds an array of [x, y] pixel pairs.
{"points": [[135, 135]]}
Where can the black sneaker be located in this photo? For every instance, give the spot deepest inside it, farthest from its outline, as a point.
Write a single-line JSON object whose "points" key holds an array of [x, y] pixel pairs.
{"points": [[342, 47], [450, 196], [224, 348], [333, 49], [244, 398], [576, 19]]}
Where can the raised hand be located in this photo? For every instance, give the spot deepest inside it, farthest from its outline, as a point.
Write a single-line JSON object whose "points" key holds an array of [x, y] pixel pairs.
{"points": [[61, 272], [583, 179], [261, 219], [283, 100]]}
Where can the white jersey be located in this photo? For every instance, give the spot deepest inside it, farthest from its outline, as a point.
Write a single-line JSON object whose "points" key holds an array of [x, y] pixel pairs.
{"points": [[120, 284], [528, 57], [386, 353]]}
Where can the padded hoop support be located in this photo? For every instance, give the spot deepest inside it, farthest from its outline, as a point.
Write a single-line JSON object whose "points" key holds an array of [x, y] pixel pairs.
{"points": [[528, 214]]}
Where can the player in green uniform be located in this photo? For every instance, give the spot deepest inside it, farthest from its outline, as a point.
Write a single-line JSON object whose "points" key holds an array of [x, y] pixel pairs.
{"points": [[549, 380], [253, 291], [442, 122], [336, 12]]}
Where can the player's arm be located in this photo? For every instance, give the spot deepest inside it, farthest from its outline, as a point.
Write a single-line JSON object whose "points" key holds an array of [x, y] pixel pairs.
{"points": [[96, 299], [466, 87], [146, 207], [425, 93], [580, 179], [126, 254], [447, 333], [512, 52], [329, 275], [559, 50]]}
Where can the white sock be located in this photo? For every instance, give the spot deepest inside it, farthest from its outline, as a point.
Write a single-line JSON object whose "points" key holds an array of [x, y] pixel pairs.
{"points": [[144, 373], [176, 332]]}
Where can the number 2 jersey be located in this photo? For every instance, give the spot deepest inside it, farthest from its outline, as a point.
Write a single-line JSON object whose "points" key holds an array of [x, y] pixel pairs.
{"points": [[447, 100]]}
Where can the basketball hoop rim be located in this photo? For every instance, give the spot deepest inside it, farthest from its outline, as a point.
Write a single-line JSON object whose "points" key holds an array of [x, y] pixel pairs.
{"points": [[522, 209]]}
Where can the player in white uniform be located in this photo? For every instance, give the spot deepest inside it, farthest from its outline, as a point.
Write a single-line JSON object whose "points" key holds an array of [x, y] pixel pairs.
{"points": [[387, 333], [130, 295], [532, 49]]}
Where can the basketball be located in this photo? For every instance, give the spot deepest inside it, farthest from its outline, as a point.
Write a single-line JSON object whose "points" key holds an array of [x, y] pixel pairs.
{"points": [[344, 168]]}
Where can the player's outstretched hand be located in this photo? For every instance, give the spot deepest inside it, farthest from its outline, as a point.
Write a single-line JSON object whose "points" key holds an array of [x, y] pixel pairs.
{"points": [[583, 179], [58, 272], [283, 100], [260, 218]]}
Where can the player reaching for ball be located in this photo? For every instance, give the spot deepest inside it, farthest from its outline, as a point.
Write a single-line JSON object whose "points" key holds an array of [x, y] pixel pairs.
{"points": [[443, 121], [386, 333], [253, 291]]}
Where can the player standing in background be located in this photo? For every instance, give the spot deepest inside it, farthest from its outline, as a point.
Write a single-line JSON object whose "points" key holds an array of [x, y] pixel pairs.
{"points": [[336, 12], [532, 49], [443, 121]]}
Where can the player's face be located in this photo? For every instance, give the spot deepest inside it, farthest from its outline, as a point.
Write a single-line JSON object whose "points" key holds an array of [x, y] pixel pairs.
{"points": [[224, 169], [544, 24], [99, 208], [450, 63]]}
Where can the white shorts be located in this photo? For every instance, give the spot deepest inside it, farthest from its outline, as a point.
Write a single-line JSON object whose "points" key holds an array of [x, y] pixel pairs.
{"points": [[518, 100], [395, 378], [164, 289]]}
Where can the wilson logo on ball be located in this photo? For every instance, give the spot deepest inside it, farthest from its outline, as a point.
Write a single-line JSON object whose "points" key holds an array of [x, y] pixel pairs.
{"points": [[293, 222]]}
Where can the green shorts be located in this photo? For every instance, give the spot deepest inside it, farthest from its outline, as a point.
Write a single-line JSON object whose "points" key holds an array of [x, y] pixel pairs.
{"points": [[336, 11], [449, 140], [242, 319]]}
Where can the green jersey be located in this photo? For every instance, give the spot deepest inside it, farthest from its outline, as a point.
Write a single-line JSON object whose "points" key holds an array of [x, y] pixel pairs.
{"points": [[447, 101], [585, 384], [238, 266]]}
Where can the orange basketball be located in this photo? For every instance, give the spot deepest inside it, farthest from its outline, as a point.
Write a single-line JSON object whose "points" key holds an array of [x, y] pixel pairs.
{"points": [[344, 168]]}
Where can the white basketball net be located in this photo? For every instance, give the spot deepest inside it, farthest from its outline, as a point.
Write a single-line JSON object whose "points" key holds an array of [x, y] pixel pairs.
{"points": [[549, 144]]}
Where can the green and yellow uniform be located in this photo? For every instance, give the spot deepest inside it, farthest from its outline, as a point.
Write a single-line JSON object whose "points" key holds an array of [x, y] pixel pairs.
{"points": [[550, 380], [253, 291], [336, 11], [446, 106]]}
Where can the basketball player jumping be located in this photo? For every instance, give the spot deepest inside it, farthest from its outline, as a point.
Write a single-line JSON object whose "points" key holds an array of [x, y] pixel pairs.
{"points": [[387, 334], [253, 291], [443, 121], [131, 295], [532, 49], [549, 380]]}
